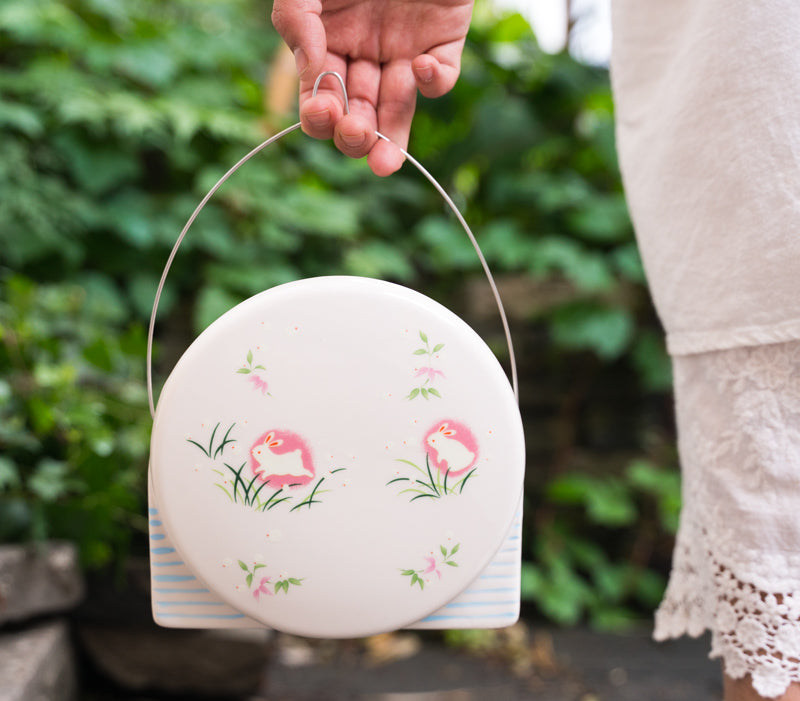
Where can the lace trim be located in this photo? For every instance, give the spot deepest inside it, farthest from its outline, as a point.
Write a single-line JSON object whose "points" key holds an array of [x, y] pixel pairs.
{"points": [[753, 631], [736, 566]]}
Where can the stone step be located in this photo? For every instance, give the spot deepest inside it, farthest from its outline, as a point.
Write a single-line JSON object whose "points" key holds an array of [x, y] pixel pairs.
{"points": [[37, 664], [38, 579], [200, 663]]}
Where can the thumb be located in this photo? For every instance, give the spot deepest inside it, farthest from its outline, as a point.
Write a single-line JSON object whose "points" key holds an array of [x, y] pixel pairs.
{"points": [[299, 23]]}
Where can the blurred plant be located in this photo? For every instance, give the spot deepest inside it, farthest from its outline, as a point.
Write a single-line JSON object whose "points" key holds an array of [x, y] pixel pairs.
{"points": [[73, 429], [589, 564]]}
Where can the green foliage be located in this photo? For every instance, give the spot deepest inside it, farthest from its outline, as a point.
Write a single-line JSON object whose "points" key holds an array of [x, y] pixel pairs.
{"points": [[116, 116], [72, 416], [594, 569], [112, 116]]}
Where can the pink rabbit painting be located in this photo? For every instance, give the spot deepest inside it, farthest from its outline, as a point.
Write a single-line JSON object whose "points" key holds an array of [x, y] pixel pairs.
{"points": [[452, 447], [282, 458]]}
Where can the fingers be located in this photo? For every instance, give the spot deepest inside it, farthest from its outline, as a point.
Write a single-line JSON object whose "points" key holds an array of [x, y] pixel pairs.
{"points": [[434, 73], [320, 113], [300, 25], [355, 134], [382, 95], [382, 99], [397, 100], [379, 98], [437, 71]]}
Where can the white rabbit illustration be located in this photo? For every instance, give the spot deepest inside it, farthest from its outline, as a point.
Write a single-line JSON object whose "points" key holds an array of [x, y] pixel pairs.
{"points": [[277, 467], [451, 454]]}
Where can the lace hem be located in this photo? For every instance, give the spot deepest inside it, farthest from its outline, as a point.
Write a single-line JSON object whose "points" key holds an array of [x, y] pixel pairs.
{"points": [[753, 631], [736, 565]]}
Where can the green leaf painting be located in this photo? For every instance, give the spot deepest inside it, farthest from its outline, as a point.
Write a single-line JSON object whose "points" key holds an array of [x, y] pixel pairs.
{"points": [[241, 486], [427, 373], [431, 572]]}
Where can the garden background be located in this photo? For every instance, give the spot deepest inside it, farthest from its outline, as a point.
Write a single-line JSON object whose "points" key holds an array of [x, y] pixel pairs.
{"points": [[116, 116]]}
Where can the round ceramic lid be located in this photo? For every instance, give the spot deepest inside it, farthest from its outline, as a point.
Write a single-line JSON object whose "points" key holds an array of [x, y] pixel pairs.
{"points": [[337, 457]]}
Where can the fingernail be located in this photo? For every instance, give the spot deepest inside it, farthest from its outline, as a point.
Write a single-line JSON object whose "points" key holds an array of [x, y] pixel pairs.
{"points": [[354, 140], [424, 74], [301, 61], [319, 119]]}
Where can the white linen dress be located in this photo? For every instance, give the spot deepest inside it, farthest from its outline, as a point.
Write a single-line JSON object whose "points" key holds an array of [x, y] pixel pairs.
{"points": [[707, 96]]}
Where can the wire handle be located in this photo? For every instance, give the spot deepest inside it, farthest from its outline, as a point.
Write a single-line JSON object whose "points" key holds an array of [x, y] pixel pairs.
{"points": [[257, 150], [341, 83]]}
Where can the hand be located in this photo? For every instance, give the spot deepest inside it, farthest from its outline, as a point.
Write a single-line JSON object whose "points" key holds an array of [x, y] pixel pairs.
{"points": [[384, 50]]}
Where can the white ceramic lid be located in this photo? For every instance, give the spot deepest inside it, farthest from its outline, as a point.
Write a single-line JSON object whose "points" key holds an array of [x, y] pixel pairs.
{"points": [[337, 457]]}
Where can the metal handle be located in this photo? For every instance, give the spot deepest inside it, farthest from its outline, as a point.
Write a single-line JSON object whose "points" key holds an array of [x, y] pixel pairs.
{"points": [[261, 147]]}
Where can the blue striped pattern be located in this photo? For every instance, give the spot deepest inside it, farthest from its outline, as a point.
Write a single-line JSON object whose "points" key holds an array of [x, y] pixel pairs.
{"points": [[179, 598], [162, 551], [492, 600]]}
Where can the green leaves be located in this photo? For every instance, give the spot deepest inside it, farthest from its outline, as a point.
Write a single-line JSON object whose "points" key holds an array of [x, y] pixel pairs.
{"points": [[284, 584], [662, 485], [379, 259], [602, 219], [9, 475], [249, 367], [446, 243], [432, 568], [427, 390], [447, 557], [73, 427], [574, 579], [607, 502], [415, 578], [50, 480], [587, 270], [574, 574], [605, 330]]}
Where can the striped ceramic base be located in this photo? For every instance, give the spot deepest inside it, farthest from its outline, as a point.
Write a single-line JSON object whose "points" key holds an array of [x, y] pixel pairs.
{"points": [[181, 600]]}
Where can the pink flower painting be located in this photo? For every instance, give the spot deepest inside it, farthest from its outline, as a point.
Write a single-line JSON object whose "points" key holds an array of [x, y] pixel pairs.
{"points": [[430, 373], [252, 370], [262, 588], [259, 384], [422, 576], [427, 372], [432, 568]]}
